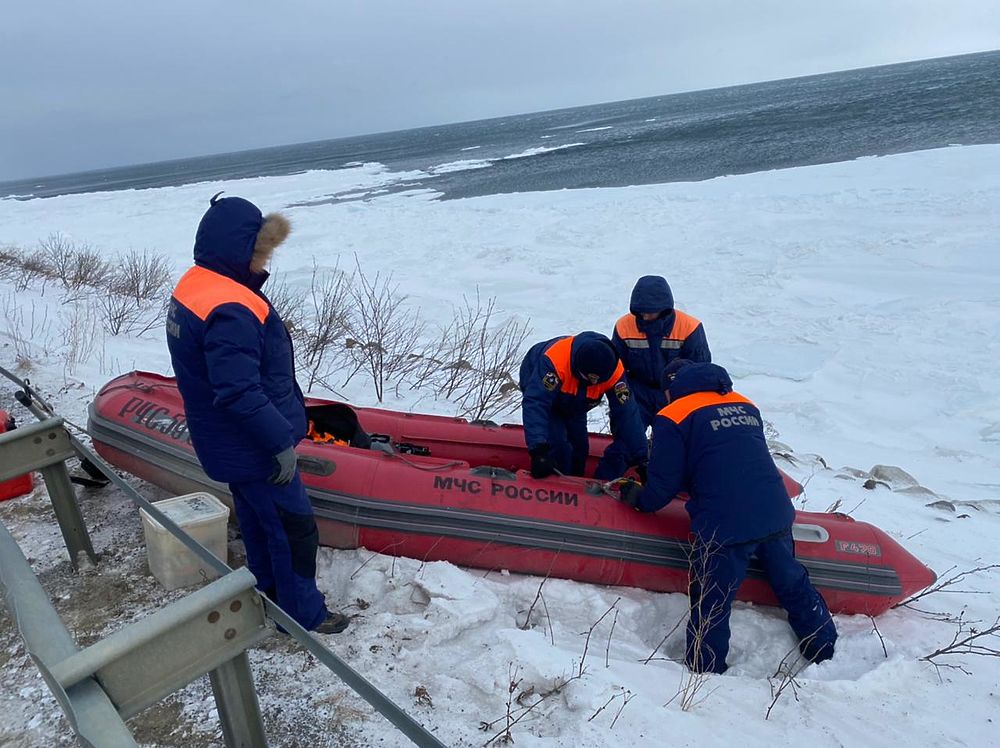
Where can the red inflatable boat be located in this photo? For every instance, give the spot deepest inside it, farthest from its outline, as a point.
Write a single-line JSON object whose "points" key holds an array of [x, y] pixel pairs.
{"points": [[458, 491]]}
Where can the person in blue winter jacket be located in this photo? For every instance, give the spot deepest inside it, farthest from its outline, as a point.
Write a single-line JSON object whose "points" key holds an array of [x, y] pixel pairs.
{"points": [[232, 357], [564, 378], [652, 335], [709, 441]]}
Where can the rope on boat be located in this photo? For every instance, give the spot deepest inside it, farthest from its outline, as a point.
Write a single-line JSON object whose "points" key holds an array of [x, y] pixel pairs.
{"points": [[427, 468]]}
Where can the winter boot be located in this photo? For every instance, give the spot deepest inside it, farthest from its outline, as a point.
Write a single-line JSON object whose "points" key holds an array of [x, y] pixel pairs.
{"points": [[334, 623]]}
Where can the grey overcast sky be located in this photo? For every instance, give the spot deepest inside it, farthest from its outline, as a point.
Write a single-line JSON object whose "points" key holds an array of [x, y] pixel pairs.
{"points": [[112, 82]]}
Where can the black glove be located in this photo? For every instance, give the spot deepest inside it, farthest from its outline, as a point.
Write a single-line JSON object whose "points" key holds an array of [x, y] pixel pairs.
{"points": [[630, 494], [542, 464], [284, 470], [641, 471]]}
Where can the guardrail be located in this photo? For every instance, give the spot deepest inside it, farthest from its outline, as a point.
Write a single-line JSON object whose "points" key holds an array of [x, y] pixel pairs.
{"points": [[117, 677], [87, 707], [77, 540]]}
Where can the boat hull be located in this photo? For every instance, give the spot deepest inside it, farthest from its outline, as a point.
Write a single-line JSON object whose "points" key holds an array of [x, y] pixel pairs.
{"points": [[476, 507]]}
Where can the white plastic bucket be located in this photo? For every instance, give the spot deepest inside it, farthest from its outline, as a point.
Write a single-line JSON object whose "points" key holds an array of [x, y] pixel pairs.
{"points": [[204, 518]]}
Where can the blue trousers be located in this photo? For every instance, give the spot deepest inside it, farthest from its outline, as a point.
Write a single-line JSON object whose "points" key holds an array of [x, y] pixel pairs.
{"points": [[281, 539], [716, 574], [615, 461], [569, 442]]}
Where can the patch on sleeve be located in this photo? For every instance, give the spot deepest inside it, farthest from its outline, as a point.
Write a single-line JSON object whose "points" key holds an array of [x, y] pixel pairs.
{"points": [[622, 393], [550, 381]]}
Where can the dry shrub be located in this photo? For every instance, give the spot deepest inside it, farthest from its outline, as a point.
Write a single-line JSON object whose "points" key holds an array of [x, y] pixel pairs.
{"points": [[77, 267], [24, 268], [324, 321], [346, 324], [290, 303], [137, 293], [81, 333], [143, 276], [29, 329], [474, 359], [10, 261], [695, 678], [383, 334]]}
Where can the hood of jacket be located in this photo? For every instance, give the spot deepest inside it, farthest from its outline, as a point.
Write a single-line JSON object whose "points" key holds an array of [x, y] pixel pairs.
{"points": [[700, 377], [651, 295], [235, 240]]}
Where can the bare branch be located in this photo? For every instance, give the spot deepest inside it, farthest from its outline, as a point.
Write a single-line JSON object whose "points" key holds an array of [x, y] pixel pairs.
{"points": [[515, 715], [383, 334], [626, 698], [319, 323], [969, 639], [602, 707], [589, 633], [538, 594], [879, 635], [664, 639], [607, 649], [784, 677], [473, 359], [945, 584]]}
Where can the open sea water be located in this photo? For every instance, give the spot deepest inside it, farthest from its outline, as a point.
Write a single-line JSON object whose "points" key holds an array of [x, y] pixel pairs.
{"points": [[678, 137]]}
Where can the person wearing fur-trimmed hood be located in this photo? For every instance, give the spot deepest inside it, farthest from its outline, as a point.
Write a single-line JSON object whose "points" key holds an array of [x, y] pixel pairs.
{"points": [[233, 360]]}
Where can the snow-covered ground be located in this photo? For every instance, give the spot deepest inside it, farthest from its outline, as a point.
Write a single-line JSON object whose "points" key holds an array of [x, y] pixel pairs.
{"points": [[857, 303]]}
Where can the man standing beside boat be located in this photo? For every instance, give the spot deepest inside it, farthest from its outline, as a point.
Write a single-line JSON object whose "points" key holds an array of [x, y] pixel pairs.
{"points": [[245, 412], [561, 380], [709, 441]]}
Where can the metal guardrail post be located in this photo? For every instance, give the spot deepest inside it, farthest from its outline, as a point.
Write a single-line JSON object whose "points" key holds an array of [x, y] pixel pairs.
{"points": [[67, 511], [44, 446], [236, 701], [87, 707]]}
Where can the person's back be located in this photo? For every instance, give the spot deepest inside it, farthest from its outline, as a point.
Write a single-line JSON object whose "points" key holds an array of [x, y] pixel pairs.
{"points": [[241, 409], [709, 441], [737, 494]]}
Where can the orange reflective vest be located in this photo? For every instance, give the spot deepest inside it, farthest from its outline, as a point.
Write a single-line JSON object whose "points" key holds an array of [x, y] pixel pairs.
{"points": [[681, 408], [684, 324], [201, 291], [559, 354]]}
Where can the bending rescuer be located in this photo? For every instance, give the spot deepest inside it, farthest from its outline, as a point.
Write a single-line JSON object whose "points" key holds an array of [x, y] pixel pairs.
{"points": [[564, 378], [709, 441]]}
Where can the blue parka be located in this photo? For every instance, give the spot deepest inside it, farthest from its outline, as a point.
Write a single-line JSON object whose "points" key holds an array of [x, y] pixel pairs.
{"points": [[553, 392], [709, 441], [646, 347], [231, 353]]}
